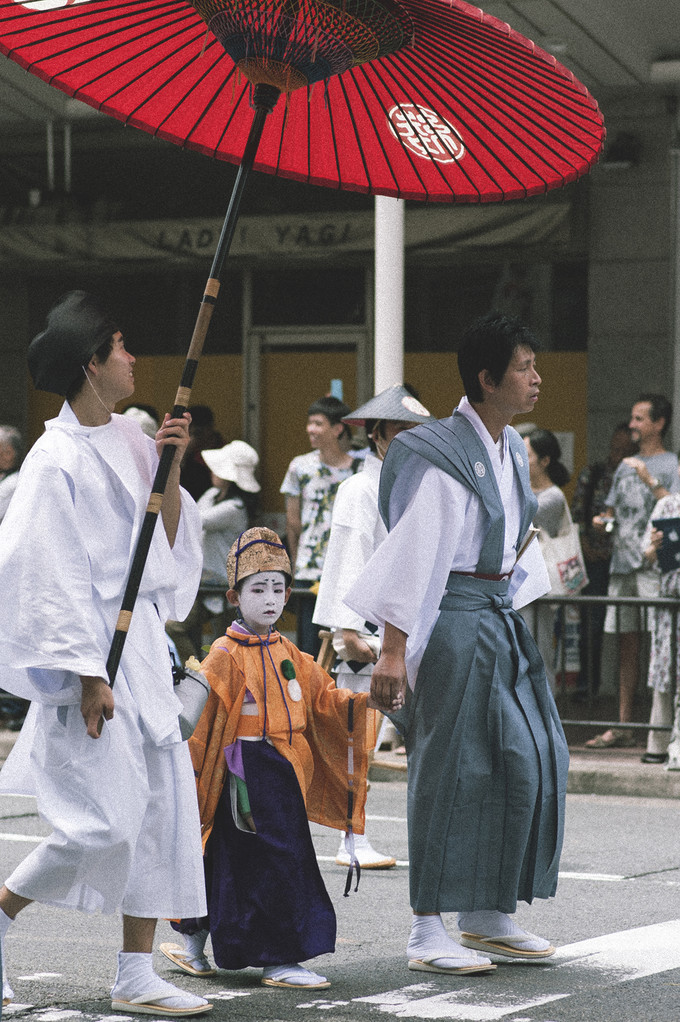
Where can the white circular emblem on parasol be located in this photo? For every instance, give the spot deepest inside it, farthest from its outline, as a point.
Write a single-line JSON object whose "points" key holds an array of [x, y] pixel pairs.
{"points": [[49, 5], [294, 690], [479, 469], [425, 133], [520, 460]]}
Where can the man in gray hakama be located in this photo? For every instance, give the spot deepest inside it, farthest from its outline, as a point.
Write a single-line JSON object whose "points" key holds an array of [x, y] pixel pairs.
{"points": [[486, 753]]}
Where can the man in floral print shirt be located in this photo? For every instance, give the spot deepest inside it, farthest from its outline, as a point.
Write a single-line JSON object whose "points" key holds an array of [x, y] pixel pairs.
{"points": [[310, 485]]}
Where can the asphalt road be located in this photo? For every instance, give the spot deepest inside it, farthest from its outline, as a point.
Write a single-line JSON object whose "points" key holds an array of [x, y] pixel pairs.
{"points": [[616, 921]]}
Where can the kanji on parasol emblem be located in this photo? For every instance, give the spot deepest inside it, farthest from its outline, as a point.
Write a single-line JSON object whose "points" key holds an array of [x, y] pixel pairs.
{"points": [[418, 99]]}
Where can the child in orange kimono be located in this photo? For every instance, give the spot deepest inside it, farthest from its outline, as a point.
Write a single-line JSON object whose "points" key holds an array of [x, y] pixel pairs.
{"points": [[277, 745]]}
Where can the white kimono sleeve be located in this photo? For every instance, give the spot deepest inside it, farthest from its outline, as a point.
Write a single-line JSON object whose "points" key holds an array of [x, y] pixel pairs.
{"points": [[46, 615], [405, 579], [351, 544]]}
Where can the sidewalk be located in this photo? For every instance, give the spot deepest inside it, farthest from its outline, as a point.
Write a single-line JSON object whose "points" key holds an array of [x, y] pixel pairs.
{"points": [[613, 772]]}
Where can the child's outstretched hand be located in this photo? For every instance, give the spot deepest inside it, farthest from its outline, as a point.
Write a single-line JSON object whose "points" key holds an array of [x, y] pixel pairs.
{"points": [[395, 705]]}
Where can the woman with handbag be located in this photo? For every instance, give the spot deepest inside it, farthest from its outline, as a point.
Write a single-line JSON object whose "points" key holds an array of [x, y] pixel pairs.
{"points": [[546, 475]]}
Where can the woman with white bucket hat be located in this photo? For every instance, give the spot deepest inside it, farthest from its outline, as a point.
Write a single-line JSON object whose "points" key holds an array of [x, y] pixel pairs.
{"points": [[226, 509]]}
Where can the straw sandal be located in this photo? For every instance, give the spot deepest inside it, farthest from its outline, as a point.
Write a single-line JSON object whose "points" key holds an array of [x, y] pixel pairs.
{"points": [[426, 964], [501, 946], [614, 738], [196, 965]]}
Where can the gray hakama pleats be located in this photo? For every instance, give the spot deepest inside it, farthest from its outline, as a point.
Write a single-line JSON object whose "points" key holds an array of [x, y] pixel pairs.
{"points": [[487, 759]]}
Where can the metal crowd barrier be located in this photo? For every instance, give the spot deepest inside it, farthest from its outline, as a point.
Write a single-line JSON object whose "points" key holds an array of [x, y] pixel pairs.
{"points": [[585, 605]]}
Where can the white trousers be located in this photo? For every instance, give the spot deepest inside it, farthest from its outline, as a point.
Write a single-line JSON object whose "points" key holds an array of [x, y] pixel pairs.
{"points": [[123, 811], [661, 713]]}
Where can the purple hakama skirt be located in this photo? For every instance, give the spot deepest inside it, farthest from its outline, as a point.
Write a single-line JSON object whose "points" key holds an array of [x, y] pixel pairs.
{"points": [[267, 903]]}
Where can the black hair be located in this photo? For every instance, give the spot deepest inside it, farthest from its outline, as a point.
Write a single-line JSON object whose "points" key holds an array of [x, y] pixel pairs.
{"points": [[546, 445], [660, 408], [369, 426], [201, 415], [250, 500], [334, 410], [101, 354], [489, 344]]}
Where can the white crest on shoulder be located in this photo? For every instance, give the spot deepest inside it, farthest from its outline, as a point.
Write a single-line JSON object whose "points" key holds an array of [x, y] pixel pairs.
{"points": [[520, 459], [480, 469]]}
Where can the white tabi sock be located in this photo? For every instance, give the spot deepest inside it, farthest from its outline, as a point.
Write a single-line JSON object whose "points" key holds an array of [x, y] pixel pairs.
{"points": [[428, 936], [136, 981], [194, 943], [293, 975], [489, 923], [5, 922]]}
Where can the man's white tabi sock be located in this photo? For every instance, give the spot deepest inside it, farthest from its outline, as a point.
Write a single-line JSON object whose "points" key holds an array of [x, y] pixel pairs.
{"points": [[136, 981], [428, 935], [7, 992], [489, 923]]}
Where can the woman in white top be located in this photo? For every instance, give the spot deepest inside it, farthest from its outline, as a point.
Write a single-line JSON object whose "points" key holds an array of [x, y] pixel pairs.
{"points": [[226, 511], [546, 475]]}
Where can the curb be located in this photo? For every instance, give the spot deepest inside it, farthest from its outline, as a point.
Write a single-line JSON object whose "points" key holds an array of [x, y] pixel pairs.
{"points": [[617, 772]]}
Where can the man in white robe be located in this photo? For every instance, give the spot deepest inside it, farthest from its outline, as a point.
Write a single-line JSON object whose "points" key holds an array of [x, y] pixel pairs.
{"points": [[356, 532], [486, 753], [108, 767]]}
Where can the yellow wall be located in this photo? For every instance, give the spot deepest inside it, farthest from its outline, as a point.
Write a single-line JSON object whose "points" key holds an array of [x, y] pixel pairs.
{"points": [[292, 380]]}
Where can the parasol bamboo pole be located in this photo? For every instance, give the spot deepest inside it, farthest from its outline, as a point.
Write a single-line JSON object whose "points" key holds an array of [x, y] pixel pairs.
{"points": [[264, 101]]}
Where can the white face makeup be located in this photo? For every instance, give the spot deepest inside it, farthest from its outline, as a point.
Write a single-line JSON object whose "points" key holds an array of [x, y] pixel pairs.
{"points": [[262, 599]]}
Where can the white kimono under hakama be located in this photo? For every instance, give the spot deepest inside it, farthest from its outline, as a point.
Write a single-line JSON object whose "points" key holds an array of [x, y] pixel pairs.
{"points": [[123, 810], [357, 530], [486, 753]]}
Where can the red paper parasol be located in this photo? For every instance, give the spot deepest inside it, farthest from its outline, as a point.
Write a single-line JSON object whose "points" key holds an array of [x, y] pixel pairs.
{"points": [[418, 99]]}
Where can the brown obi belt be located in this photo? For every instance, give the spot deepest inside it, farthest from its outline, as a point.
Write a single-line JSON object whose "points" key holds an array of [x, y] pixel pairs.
{"points": [[486, 578], [249, 726]]}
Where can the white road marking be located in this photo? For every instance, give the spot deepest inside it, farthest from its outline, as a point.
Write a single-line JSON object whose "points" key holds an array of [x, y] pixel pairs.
{"points": [[604, 877], [42, 975], [601, 877], [32, 838], [468, 1004], [630, 954], [227, 995], [576, 968], [57, 1014]]}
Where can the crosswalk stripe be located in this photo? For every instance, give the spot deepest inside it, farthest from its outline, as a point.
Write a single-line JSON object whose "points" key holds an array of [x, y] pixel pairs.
{"points": [[575, 969]]}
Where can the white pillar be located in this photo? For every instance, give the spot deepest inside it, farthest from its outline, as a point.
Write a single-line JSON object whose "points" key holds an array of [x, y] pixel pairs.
{"points": [[389, 292], [674, 439]]}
